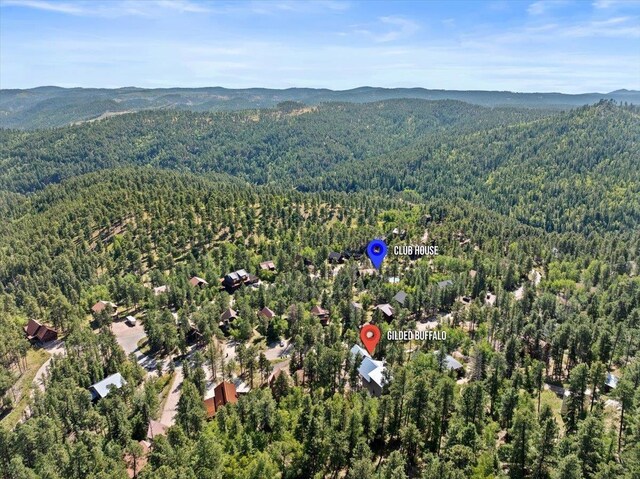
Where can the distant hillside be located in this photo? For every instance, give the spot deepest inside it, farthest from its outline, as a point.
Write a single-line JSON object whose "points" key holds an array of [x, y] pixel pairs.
{"points": [[572, 171], [46, 107], [275, 146]]}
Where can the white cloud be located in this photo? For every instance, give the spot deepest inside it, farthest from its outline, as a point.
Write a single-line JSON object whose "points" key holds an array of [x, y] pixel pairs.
{"points": [[609, 4], [543, 6], [111, 9], [69, 8], [388, 29]]}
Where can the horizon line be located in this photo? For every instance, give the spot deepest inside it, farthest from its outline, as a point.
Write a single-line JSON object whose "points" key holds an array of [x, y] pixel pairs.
{"points": [[630, 90]]}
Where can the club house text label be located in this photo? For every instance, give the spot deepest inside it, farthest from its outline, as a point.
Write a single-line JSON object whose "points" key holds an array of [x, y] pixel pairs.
{"points": [[415, 250]]}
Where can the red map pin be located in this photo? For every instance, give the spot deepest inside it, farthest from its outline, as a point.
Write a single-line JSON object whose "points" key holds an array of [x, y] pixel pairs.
{"points": [[370, 337]]}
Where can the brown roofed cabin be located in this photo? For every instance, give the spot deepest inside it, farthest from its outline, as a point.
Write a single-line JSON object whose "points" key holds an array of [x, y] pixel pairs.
{"points": [[266, 313], [102, 305], [210, 407], [271, 382], [321, 313], [198, 282], [228, 315], [32, 328], [41, 332], [268, 266], [46, 334], [223, 394]]}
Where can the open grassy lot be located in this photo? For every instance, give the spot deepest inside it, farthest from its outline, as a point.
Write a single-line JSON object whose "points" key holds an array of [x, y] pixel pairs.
{"points": [[35, 359]]}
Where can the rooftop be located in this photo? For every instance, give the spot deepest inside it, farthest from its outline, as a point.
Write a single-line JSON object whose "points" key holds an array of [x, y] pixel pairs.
{"points": [[102, 388]]}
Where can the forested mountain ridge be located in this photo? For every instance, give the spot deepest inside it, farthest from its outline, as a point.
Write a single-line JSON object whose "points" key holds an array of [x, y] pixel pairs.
{"points": [[260, 146], [46, 107], [564, 171], [576, 171]]}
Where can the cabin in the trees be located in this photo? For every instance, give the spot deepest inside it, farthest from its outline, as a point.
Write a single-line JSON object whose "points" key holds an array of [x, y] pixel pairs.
{"points": [[355, 305], [452, 364], [400, 297], [266, 313], [235, 278], [198, 282], [538, 349], [41, 332], [353, 254], [386, 310], [102, 388], [610, 383], [268, 266], [336, 258], [158, 290], [227, 317], [102, 305], [274, 377], [32, 328], [223, 394], [445, 284], [371, 372], [490, 299], [321, 313]]}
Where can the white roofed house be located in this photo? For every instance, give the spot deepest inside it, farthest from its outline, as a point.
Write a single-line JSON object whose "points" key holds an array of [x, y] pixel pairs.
{"points": [[386, 310], [158, 290], [102, 388], [370, 371]]}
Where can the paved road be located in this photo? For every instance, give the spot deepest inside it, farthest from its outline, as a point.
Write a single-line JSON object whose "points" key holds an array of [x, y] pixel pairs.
{"points": [[128, 338], [53, 348], [275, 351], [171, 404]]}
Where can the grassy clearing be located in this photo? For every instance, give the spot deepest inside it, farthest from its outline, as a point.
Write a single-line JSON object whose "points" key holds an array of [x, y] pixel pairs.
{"points": [[554, 402], [35, 359]]}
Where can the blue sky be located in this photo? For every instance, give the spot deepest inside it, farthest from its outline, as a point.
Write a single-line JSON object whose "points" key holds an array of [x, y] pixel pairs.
{"points": [[564, 46]]}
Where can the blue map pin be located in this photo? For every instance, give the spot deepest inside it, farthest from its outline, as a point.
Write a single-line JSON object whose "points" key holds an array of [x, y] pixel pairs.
{"points": [[377, 250]]}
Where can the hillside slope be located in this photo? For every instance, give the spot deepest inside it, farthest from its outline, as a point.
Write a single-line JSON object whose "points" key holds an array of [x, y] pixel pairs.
{"points": [[46, 107], [571, 171], [261, 146]]}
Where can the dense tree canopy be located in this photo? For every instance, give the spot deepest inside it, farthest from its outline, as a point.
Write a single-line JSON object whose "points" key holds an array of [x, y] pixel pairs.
{"points": [[536, 221]]}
